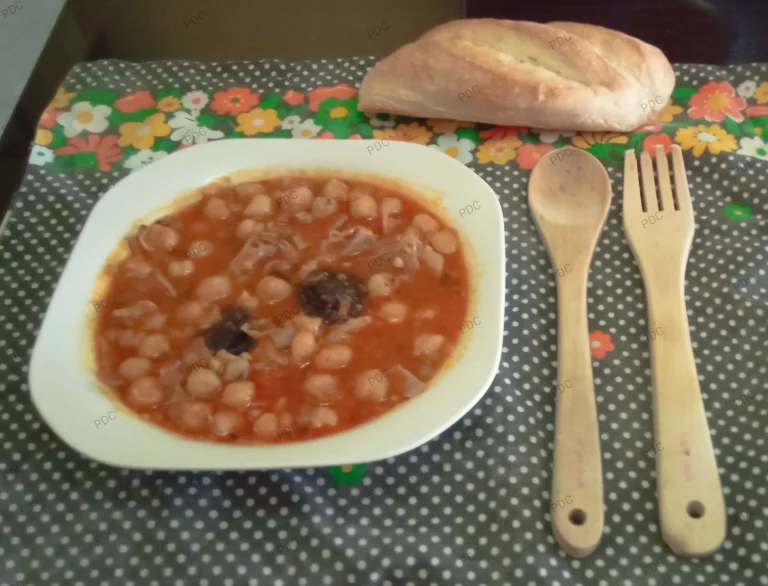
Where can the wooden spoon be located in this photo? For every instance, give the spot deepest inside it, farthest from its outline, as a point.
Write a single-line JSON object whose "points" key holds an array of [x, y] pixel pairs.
{"points": [[569, 195]]}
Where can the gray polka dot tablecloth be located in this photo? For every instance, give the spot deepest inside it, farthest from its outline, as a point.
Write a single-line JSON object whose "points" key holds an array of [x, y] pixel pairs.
{"points": [[471, 506]]}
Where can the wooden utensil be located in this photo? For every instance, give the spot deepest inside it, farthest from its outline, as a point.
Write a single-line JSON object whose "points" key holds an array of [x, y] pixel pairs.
{"points": [[569, 195], [659, 228]]}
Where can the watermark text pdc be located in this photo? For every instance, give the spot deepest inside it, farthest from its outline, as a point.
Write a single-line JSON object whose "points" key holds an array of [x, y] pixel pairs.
{"points": [[469, 93], [657, 101], [655, 333], [377, 30], [377, 146], [471, 323], [12, 9], [566, 152], [659, 447], [564, 385], [560, 40], [104, 303], [105, 419], [470, 209], [560, 504], [194, 19], [651, 219]]}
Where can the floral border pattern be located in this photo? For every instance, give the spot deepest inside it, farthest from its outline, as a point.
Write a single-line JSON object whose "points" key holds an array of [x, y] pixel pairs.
{"points": [[96, 128]]}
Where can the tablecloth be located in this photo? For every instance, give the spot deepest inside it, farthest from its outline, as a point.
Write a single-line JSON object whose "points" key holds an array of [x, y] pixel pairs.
{"points": [[470, 507]]}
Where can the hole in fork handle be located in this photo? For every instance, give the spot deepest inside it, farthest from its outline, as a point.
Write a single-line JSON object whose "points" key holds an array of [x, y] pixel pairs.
{"points": [[577, 517], [695, 509]]}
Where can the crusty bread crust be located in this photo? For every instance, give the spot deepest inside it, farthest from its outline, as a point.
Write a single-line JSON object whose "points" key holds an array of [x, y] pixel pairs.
{"points": [[592, 79]]}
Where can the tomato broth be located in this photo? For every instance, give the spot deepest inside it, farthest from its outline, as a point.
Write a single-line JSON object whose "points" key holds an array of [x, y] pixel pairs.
{"points": [[282, 309]]}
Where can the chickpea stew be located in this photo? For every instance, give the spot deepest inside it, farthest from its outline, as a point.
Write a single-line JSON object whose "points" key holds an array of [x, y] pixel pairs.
{"points": [[281, 310]]}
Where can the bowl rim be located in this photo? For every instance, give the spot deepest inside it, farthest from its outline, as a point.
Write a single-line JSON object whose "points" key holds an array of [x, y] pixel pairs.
{"points": [[133, 443]]}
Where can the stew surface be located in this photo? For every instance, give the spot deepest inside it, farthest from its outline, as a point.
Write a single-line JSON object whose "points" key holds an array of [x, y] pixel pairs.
{"points": [[281, 310]]}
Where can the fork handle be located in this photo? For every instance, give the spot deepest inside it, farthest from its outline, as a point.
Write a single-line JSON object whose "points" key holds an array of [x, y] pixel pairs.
{"points": [[691, 504], [577, 481]]}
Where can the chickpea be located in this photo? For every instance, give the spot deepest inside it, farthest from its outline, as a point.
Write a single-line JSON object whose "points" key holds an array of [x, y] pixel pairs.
{"points": [[394, 312], [307, 323], [333, 357], [248, 228], [155, 321], [390, 205], [323, 207], [237, 369], [303, 346], [266, 425], [427, 344], [364, 207], [216, 209], [227, 423], [145, 392], [248, 190], [238, 395], [195, 415], [381, 284], [159, 237], [273, 289], [215, 287], [180, 268], [203, 383], [372, 384], [136, 267], [445, 242], [261, 207], [134, 368], [335, 189], [427, 224], [199, 248], [190, 312], [212, 189], [323, 416], [323, 387], [298, 198], [153, 346]]}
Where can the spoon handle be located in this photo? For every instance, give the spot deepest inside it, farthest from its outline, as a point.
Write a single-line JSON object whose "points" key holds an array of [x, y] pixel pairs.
{"points": [[577, 480]]}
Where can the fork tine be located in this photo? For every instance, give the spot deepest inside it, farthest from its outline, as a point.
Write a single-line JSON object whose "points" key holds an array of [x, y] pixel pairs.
{"points": [[681, 181], [633, 198], [665, 187], [649, 185]]}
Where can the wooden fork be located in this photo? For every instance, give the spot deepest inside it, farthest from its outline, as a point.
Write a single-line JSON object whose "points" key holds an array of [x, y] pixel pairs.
{"points": [[659, 228]]}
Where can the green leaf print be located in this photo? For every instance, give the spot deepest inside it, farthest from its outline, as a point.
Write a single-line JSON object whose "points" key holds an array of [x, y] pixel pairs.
{"points": [[732, 126], [682, 94]]}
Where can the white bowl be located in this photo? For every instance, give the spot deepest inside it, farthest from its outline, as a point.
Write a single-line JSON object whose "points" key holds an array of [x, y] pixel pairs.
{"points": [[64, 388]]}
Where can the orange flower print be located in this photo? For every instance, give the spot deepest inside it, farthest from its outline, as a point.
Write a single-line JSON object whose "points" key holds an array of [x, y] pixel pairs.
{"points": [[412, 132], [600, 343], [105, 147], [133, 102], [715, 100], [61, 99], [236, 100], [650, 142], [49, 117], [498, 151], [445, 126], [501, 132], [529, 154], [294, 98], [169, 104], [257, 121], [343, 92]]}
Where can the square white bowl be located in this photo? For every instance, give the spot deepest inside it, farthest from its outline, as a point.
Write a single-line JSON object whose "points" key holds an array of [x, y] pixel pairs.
{"points": [[65, 390]]}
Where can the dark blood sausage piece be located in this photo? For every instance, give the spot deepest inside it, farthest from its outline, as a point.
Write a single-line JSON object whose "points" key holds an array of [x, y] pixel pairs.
{"points": [[226, 334], [332, 295]]}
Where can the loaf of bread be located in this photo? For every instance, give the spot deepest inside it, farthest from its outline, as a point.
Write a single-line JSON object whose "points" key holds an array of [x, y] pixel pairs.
{"points": [[560, 76]]}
